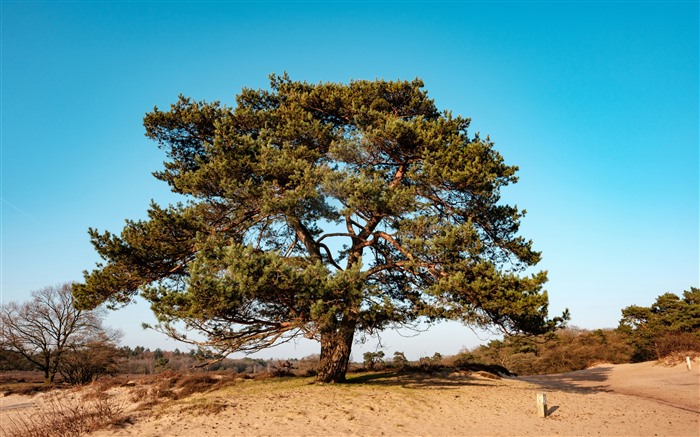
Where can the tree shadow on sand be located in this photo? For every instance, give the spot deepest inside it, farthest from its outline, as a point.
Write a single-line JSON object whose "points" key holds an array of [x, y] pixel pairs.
{"points": [[582, 381], [433, 380]]}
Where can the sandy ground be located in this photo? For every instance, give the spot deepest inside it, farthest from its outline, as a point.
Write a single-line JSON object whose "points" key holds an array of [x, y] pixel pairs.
{"points": [[624, 400], [674, 386]]}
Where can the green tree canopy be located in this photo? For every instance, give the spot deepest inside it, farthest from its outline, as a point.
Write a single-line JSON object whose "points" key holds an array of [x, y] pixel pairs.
{"points": [[672, 323], [323, 210]]}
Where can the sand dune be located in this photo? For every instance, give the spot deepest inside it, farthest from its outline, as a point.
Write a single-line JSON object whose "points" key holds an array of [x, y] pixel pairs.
{"points": [[624, 400]]}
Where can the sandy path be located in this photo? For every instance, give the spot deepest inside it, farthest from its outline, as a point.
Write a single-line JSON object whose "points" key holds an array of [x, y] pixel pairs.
{"points": [[15, 402], [674, 386]]}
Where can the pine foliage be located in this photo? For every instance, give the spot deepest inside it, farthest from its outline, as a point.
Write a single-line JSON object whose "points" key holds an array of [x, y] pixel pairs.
{"points": [[323, 210]]}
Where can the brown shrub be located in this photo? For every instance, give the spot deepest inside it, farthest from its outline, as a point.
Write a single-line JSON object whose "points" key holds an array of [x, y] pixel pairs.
{"points": [[674, 342], [563, 351], [109, 382], [177, 385], [193, 383]]}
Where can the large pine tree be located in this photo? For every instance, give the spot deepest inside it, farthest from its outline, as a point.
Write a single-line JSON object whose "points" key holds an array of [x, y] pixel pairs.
{"points": [[322, 210]]}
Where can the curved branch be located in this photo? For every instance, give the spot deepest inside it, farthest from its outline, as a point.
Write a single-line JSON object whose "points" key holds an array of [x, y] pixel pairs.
{"points": [[394, 243], [330, 257], [250, 340], [335, 234]]}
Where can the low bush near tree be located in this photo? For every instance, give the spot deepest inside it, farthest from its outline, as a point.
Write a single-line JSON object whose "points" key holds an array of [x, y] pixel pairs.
{"points": [[563, 351]]}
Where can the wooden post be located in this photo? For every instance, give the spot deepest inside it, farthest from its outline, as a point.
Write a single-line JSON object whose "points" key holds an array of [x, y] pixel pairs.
{"points": [[687, 362], [541, 405]]}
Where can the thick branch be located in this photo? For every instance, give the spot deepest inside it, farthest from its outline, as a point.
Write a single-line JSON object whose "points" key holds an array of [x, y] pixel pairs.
{"points": [[335, 234], [394, 243], [306, 238]]}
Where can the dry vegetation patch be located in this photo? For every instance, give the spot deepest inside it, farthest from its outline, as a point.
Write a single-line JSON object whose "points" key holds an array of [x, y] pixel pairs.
{"points": [[676, 358], [64, 414], [23, 383], [108, 401]]}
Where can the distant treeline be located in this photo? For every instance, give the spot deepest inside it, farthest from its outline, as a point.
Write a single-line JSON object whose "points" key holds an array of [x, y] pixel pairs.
{"points": [[140, 360], [669, 326], [144, 361]]}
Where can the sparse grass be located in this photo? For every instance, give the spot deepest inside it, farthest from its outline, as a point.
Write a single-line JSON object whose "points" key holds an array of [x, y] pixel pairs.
{"points": [[267, 385], [206, 408]]}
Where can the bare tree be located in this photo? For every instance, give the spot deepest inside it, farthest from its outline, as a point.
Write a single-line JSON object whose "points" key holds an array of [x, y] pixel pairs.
{"points": [[48, 326]]}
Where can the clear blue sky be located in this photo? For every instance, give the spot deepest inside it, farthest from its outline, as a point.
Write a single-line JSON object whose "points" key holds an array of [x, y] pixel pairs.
{"points": [[597, 102]]}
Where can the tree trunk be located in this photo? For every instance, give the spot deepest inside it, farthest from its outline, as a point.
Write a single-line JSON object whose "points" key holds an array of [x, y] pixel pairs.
{"points": [[48, 377], [335, 353]]}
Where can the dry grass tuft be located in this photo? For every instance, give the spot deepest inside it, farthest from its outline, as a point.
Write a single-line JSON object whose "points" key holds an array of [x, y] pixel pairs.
{"points": [[62, 415], [205, 409]]}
